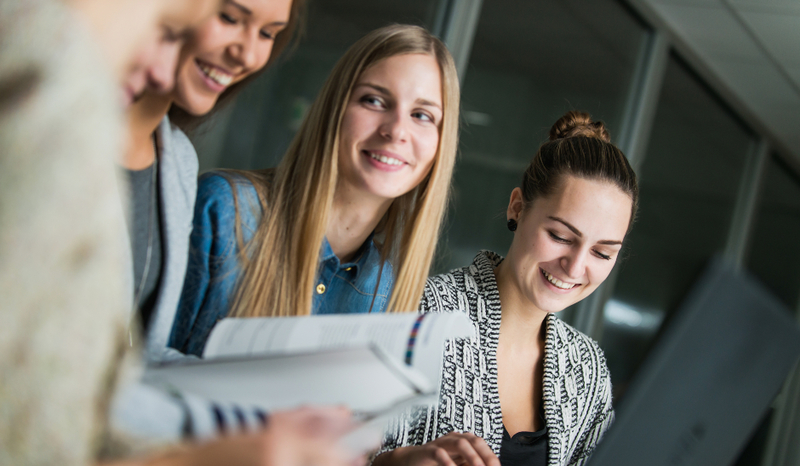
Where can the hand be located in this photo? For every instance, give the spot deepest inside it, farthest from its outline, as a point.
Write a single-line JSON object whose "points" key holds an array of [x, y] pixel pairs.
{"points": [[453, 449]]}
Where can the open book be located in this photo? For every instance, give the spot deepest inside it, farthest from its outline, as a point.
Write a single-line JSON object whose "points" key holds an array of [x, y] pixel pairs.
{"points": [[372, 363]]}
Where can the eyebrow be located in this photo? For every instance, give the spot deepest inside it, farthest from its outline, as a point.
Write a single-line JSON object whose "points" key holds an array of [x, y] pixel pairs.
{"points": [[608, 242], [384, 90], [241, 7]]}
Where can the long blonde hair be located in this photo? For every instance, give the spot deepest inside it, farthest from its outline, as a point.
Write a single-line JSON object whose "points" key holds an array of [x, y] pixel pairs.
{"points": [[280, 262]]}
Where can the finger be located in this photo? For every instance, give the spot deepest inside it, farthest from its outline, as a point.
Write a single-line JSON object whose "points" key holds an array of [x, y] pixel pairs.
{"points": [[467, 451], [484, 451], [442, 457]]}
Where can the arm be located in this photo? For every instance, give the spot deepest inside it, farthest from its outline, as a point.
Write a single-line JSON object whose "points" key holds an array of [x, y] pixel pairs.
{"points": [[292, 438], [213, 267]]}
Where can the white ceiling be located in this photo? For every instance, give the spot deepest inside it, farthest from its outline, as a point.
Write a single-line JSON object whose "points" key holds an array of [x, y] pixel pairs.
{"points": [[752, 48]]}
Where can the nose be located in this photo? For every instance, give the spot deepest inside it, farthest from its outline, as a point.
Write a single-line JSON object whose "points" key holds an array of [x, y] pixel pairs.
{"points": [[393, 128], [245, 51], [161, 75], [574, 263]]}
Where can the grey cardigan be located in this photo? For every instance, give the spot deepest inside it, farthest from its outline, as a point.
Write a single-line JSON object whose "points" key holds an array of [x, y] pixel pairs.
{"points": [[577, 385], [178, 169]]}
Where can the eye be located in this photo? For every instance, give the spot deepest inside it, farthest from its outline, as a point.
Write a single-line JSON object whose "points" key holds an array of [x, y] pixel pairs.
{"points": [[602, 256], [266, 35], [226, 18], [557, 238], [170, 36], [372, 101], [423, 116]]}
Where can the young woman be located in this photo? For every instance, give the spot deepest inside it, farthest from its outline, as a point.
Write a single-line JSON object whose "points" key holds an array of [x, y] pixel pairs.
{"points": [[219, 57], [364, 185], [532, 389]]}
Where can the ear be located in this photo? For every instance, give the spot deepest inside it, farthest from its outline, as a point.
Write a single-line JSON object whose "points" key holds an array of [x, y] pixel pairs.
{"points": [[515, 205]]}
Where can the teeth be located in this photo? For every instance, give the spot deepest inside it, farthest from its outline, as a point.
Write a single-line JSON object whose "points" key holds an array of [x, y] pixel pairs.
{"points": [[385, 159], [558, 283], [220, 77]]}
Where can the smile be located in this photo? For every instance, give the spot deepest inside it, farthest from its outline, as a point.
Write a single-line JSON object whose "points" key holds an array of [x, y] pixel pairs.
{"points": [[558, 283], [384, 159], [216, 74]]}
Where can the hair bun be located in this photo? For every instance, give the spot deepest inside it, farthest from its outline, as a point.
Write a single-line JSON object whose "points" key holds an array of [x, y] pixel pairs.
{"points": [[575, 123]]}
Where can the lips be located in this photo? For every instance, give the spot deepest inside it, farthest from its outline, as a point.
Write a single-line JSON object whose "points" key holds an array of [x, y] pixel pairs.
{"points": [[558, 283], [218, 77], [384, 160]]}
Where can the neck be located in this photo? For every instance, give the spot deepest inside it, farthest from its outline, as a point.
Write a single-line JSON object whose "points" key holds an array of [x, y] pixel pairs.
{"points": [[144, 116], [353, 218], [520, 318]]}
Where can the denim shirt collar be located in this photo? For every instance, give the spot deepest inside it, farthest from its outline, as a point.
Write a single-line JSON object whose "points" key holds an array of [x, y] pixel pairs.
{"points": [[328, 259]]}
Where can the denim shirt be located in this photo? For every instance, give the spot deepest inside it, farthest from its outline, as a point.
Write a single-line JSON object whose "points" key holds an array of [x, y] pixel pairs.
{"points": [[214, 267]]}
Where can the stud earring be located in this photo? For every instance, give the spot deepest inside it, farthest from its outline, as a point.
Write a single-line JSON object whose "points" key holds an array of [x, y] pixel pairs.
{"points": [[512, 224]]}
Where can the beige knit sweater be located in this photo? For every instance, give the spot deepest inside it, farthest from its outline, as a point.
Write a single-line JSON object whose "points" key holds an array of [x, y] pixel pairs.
{"points": [[63, 308]]}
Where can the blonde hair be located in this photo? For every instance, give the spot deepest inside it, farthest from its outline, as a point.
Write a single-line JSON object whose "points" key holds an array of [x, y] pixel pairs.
{"points": [[280, 262]]}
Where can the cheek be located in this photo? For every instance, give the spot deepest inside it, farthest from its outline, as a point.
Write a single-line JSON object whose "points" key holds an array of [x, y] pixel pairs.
{"points": [[600, 272], [427, 145], [183, 80], [264, 53]]}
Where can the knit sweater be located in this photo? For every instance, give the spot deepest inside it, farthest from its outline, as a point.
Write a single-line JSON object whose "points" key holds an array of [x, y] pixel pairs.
{"points": [[576, 383], [62, 257]]}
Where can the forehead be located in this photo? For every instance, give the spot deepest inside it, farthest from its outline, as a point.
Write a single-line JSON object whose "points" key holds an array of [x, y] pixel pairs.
{"points": [[415, 73], [599, 209], [187, 13]]}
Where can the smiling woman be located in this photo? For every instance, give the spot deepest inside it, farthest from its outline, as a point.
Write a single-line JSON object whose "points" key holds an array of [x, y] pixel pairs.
{"points": [[227, 49], [533, 390], [348, 221], [213, 57]]}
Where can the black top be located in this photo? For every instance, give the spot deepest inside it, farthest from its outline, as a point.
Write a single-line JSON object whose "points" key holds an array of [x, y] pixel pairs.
{"points": [[524, 448], [144, 227]]}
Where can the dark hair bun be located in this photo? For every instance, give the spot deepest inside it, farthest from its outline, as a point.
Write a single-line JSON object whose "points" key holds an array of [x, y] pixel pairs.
{"points": [[575, 123]]}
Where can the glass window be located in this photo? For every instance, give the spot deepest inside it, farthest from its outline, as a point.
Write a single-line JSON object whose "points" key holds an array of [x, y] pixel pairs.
{"points": [[774, 255], [774, 258], [256, 130], [688, 184], [530, 63]]}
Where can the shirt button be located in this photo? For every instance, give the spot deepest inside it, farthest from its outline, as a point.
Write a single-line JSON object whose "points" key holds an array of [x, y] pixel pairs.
{"points": [[320, 288]]}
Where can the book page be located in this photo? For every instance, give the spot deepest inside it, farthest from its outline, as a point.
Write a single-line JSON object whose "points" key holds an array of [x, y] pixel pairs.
{"points": [[364, 378], [415, 339]]}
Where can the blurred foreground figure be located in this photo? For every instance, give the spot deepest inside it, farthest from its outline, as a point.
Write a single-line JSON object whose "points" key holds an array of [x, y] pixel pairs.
{"points": [[62, 257], [64, 341]]}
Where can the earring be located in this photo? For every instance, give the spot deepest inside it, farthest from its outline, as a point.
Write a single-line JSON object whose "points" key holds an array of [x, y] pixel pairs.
{"points": [[512, 224]]}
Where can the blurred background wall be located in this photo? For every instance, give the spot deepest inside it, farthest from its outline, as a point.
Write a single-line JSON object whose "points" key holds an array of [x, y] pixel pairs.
{"points": [[702, 95]]}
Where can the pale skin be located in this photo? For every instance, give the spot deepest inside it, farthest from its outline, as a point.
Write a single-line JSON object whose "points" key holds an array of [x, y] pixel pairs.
{"points": [[575, 236], [395, 111]]}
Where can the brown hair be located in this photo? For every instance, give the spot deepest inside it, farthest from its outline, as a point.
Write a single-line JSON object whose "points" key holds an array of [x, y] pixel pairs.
{"points": [[280, 262], [286, 39], [581, 147]]}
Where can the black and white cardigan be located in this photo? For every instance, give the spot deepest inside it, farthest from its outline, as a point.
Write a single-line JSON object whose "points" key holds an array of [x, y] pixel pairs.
{"points": [[577, 385]]}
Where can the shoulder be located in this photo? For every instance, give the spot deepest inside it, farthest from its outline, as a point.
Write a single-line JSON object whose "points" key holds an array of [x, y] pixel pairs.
{"points": [[450, 291], [217, 187], [181, 147], [581, 351]]}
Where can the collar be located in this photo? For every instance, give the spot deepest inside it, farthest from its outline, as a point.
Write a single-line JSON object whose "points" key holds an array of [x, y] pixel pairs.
{"points": [[327, 256]]}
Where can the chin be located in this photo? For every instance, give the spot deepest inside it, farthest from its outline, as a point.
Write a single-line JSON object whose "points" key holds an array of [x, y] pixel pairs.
{"points": [[197, 109]]}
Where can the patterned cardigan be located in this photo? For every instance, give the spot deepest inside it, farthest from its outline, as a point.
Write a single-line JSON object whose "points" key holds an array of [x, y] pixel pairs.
{"points": [[577, 385]]}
